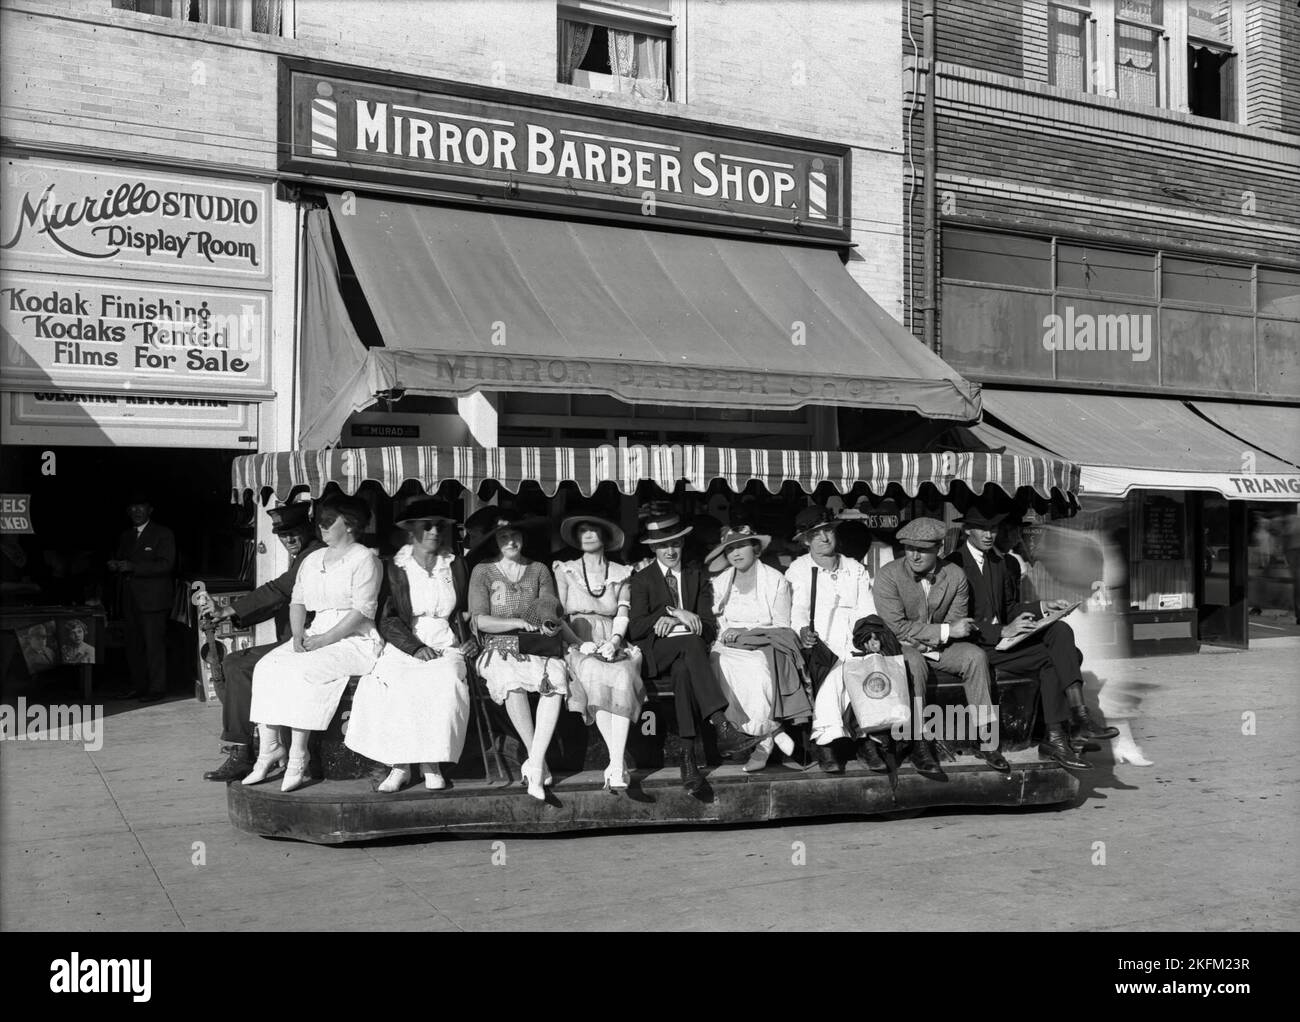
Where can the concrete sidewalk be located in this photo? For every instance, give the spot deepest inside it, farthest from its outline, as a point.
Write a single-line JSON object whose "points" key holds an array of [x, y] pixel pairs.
{"points": [[131, 837]]}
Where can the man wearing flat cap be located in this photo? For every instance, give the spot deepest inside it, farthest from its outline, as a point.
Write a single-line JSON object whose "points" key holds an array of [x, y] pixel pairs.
{"points": [[291, 524], [1049, 654], [671, 621], [926, 604]]}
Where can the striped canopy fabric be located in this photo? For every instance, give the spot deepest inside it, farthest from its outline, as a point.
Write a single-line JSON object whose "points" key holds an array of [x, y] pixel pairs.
{"points": [[665, 466]]}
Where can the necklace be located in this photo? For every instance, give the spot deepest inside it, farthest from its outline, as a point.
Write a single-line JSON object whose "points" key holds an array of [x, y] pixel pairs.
{"points": [[832, 571], [595, 594]]}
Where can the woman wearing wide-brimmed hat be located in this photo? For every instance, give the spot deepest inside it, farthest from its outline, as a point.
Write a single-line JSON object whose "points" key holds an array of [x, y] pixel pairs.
{"points": [[299, 683], [504, 593], [605, 671], [413, 708], [841, 591], [757, 657]]}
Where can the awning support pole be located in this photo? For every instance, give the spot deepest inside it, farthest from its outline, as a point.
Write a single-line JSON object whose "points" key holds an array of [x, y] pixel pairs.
{"points": [[929, 257]]}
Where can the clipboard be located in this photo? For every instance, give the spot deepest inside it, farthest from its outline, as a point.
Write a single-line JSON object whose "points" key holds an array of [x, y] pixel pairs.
{"points": [[1047, 619]]}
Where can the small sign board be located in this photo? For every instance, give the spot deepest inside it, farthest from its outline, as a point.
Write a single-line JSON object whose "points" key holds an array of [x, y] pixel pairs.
{"points": [[16, 514]]}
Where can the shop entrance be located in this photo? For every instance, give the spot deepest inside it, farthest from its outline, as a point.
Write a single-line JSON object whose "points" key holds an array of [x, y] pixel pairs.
{"points": [[78, 511], [1221, 571]]}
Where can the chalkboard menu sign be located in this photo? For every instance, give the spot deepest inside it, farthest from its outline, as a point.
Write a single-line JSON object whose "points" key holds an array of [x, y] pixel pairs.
{"points": [[1162, 530]]}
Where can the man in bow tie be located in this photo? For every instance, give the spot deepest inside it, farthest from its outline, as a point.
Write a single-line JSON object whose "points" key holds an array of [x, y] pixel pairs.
{"points": [[925, 604], [1049, 654]]}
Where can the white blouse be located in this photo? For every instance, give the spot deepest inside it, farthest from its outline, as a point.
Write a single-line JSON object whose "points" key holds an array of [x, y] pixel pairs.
{"points": [[847, 591], [350, 583]]}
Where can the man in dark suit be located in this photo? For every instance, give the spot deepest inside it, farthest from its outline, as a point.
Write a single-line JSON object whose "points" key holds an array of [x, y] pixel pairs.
{"points": [[925, 604], [1050, 654], [144, 561], [672, 622], [269, 600]]}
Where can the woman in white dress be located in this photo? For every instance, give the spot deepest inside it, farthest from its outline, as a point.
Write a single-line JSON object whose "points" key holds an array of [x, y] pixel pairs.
{"points": [[299, 684], [502, 592], [605, 683], [752, 600], [414, 706]]}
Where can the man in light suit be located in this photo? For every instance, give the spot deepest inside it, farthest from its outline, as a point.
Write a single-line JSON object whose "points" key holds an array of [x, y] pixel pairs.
{"points": [[145, 560], [672, 622], [925, 604]]}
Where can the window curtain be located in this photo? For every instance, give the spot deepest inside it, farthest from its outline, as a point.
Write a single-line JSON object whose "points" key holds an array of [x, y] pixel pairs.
{"points": [[267, 15], [641, 60], [1066, 50], [1136, 71], [575, 38]]}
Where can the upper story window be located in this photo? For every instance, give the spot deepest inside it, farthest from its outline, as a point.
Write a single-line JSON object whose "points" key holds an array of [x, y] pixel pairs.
{"points": [[1177, 54], [618, 47], [248, 15]]}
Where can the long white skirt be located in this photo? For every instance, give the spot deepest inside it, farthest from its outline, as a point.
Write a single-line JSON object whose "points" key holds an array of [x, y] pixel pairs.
{"points": [[302, 690], [749, 687], [411, 711]]}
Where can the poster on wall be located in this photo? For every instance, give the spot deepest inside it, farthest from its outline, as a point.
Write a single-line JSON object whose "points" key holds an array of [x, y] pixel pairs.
{"points": [[1163, 530]]}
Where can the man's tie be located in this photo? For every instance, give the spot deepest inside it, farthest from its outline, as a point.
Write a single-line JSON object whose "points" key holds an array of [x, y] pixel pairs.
{"points": [[674, 595]]}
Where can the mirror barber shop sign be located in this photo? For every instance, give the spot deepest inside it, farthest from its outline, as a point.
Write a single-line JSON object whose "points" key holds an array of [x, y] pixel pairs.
{"points": [[343, 126]]}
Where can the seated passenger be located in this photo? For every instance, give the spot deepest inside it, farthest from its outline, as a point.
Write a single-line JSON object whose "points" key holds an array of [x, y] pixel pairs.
{"points": [[501, 592], [414, 706], [605, 683], [842, 594], [1049, 654], [925, 604], [758, 658], [299, 683], [671, 621]]}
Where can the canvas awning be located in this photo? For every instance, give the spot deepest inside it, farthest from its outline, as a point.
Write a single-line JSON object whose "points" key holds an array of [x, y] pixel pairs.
{"points": [[471, 299], [1271, 428], [1125, 443], [281, 473]]}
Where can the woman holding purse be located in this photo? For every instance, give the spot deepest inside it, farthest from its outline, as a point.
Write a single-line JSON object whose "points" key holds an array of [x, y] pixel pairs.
{"points": [[414, 706], [516, 659], [606, 686]]}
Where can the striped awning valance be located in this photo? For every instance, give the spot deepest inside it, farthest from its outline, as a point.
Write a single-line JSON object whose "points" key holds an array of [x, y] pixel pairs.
{"points": [[665, 466]]}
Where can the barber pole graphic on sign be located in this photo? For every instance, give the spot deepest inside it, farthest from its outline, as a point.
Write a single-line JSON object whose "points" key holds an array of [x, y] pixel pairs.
{"points": [[817, 194], [324, 123]]}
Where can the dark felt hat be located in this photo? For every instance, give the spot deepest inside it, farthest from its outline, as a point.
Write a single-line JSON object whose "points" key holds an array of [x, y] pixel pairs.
{"points": [[423, 510], [662, 527], [810, 519], [976, 518], [614, 537], [289, 518], [503, 519]]}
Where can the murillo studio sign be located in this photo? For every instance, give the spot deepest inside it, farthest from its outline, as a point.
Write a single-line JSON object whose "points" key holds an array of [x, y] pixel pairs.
{"points": [[448, 137]]}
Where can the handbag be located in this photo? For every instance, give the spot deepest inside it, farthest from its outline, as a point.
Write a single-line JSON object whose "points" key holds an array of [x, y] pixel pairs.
{"points": [[819, 659], [877, 689]]}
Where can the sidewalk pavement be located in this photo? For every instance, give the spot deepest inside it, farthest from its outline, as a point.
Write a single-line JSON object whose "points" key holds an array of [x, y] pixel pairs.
{"points": [[131, 837]]}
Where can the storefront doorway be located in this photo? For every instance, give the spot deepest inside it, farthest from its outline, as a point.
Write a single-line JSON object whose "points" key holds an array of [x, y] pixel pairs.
{"points": [[1221, 571]]}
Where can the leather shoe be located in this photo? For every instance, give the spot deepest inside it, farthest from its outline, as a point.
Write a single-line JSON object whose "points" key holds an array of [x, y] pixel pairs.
{"points": [[157, 697], [1085, 727], [869, 756], [993, 758], [1055, 745], [238, 765], [692, 779], [732, 742], [828, 761], [922, 757]]}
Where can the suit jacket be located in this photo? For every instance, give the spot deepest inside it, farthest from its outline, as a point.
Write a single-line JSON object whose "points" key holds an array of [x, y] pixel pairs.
{"points": [[396, 619], [648, 590], [904, 607], [153, 554], [272, 599], [998, 596]]}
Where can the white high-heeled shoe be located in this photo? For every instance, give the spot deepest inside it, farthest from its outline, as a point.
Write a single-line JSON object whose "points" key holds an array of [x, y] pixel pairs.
{"points": [[762, 752], [269, 764], [297, 773], [534, 778], [1125, 750], [398, 778], [616, 778], [433, 779]]}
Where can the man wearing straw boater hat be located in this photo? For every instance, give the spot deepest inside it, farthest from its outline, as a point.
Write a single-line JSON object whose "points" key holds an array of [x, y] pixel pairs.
{"points": [[1050, 653], [672, 623]]}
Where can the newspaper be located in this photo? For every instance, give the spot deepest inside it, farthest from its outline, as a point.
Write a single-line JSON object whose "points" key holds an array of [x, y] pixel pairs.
{"points": [[1047, 619]]}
